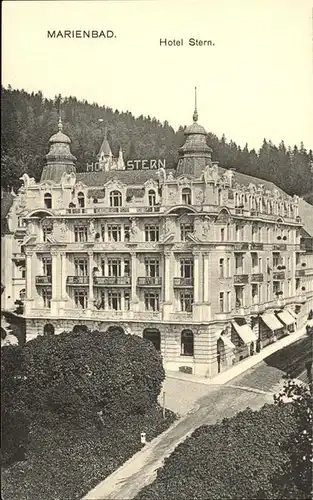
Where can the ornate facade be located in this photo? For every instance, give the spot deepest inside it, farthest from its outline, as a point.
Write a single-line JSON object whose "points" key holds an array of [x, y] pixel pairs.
{"points": [[205, 262]]}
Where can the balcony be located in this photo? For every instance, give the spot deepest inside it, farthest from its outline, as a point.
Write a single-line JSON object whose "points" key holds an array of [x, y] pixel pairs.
{"points": [[256, 246], [112, 280], [77, 280], [149, 281], [278, 275], [241, 247], [183, 282], [280, 246], [240, 279], [43, 280], [300, 272], [155, 208], [256, 278]]}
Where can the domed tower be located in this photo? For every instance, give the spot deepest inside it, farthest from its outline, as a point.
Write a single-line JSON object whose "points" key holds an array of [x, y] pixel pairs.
{"points": [[195, 154], [59, 160]]}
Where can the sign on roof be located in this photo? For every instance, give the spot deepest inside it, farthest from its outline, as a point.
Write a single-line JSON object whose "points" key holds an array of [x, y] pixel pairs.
{"points": [[130, 165]]}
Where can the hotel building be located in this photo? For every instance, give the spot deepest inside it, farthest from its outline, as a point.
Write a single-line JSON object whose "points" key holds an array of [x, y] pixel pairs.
{"points": [[206, 263]]}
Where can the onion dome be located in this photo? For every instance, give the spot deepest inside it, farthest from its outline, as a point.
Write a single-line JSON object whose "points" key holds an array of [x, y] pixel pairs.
{"points": [[59, 159], [195, 153]]}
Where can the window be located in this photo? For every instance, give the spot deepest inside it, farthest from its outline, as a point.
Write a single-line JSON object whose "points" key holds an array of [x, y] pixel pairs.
{"points": [[239, 233], [238, 264], [228, 268], [254, 233], [81, 266], [114, 300], [47, 266], [276, 287], [80, 298], [100, 301], [23, 272], [115, 199], [222, 234], [254, 262], [186, 268], [186, 301], [80, 233], [152, 301], [152, 198], [126, 267], [48, 200], [81, 200], [127, 301], [297, 258], [255, 293], [46, 297], [268, 238], [152, 268], [260, 264], [187, 347], [239, 296], [228, 301], [152, 233], [221, 268], [186, 196], [114, 232], [219, 197], [46, 231], [221, 301], [276, 259], [114, 267], [185, 229], [126, 233]]}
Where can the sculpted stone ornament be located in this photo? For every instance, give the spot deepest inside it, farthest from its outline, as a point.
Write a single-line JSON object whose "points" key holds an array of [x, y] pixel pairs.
{"points": [[68, 180], [91, 231], [205, 228], [59, 230], [172, 196], [170, 177], [200, 198], [161, 173], [28, 181]]}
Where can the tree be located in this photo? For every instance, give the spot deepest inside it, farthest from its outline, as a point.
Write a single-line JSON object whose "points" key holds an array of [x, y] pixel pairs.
{"points": [[78, 374]]}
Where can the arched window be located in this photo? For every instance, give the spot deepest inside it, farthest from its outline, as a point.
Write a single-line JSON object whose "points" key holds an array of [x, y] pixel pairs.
{"points": [[48, 329], [186, 196], [81, 200], [152, 198], [153, 334], [187, 343], [115, 199], [48, 200], [219, 197]]}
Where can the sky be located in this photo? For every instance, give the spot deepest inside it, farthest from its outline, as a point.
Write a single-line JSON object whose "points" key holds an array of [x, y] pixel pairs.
{"points": [[255, 82]]}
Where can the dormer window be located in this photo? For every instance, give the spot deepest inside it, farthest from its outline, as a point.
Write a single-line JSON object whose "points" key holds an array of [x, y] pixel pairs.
{"points": [[48, 200], [152, 198], [81, 200], [186, 196], [115, 199]]}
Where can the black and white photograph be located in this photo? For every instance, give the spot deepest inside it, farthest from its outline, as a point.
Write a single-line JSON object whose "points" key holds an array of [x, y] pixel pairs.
{"points": [[157, 250]]}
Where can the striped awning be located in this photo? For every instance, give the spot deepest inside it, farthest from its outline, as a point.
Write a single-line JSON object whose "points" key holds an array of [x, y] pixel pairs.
{"points": [[286, 318], [272, 322], [227, 342], [245, 333]]}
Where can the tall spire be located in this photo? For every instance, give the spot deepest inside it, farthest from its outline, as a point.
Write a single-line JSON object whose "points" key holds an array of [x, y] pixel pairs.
{"points": [[195, 113], [60, 124]]}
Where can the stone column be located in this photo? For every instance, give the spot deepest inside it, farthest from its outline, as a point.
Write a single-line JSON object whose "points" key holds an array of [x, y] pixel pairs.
{"points": [[167, 287], [196, 273], [90, 272], [63, 276], [134, 299], [29, 277], [206, 277], [56, 283]]}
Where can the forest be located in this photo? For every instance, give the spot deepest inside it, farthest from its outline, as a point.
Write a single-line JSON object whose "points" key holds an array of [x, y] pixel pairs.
{"points": [[28, 120]]}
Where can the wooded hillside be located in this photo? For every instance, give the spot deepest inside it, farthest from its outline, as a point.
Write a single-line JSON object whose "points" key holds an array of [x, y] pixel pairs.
{"points": [[28, 120]]}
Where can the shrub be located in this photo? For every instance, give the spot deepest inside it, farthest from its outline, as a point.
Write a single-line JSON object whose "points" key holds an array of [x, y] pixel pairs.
{"points": [[76, 375]]}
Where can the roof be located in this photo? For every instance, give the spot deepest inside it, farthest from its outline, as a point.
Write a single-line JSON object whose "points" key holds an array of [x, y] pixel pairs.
{"points": [[59, 137], [195, 128], [128, 177], [246, 180], [136, 192], [105, 148], [306, 214]]}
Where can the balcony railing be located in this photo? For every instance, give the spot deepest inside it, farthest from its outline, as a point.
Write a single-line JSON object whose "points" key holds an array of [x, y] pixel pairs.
{"points": [[43, 280], [241, 246], [241, 279], [300, 272], [256, 278], [77, 280], [278, 275], [182, 282], [155, 208], [112, 280], [149, 281], [280, 246], [256, 246]]}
